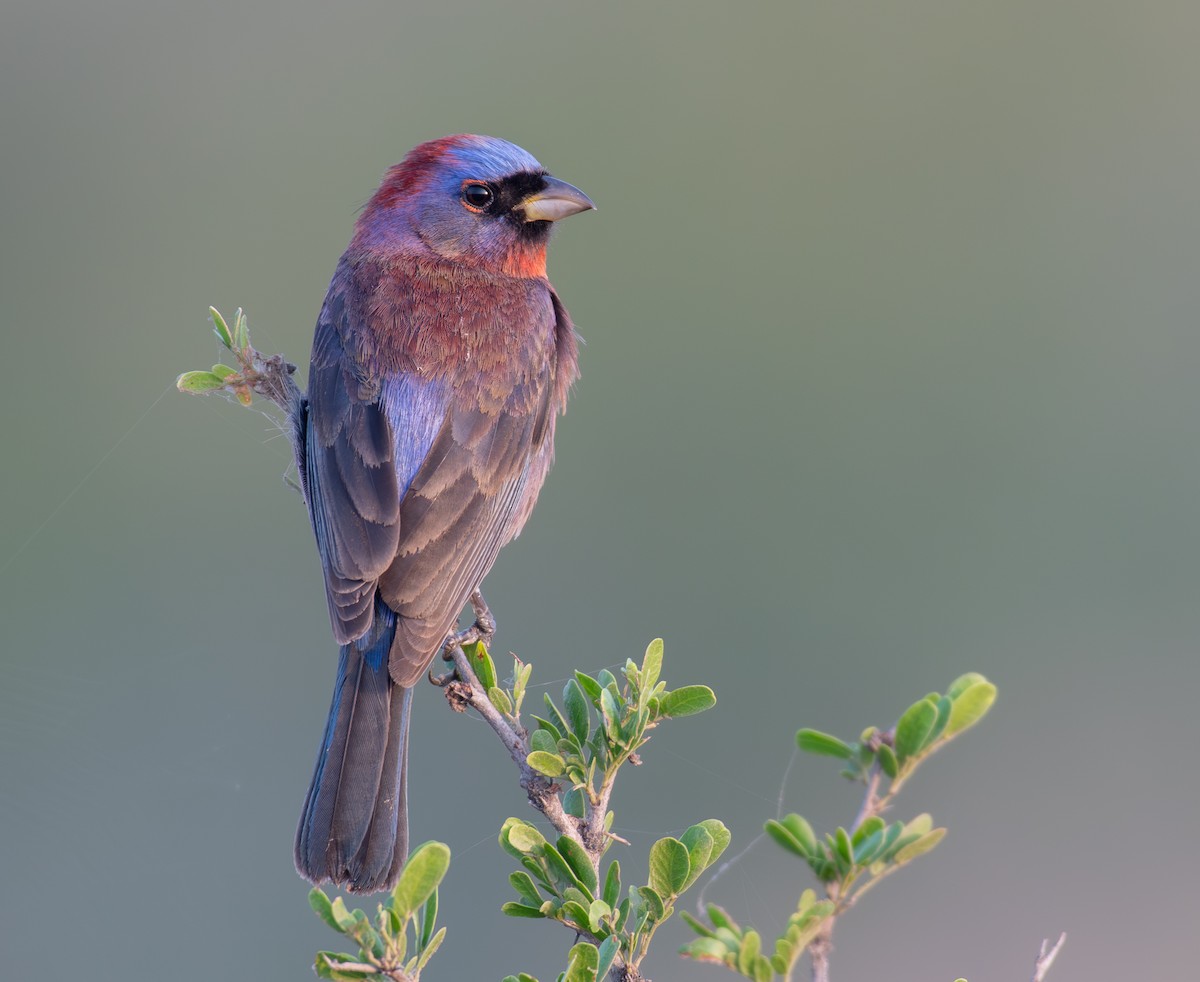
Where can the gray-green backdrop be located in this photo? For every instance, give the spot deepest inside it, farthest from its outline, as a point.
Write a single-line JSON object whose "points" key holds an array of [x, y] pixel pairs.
{"points": [[891, 314]]}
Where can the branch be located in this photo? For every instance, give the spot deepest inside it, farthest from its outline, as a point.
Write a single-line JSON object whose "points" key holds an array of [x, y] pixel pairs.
{"points": [[1046, 957], [463, 691]]}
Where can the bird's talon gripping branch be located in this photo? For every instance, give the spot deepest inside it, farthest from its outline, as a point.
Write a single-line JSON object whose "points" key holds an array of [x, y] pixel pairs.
{"points": [[484, 628], [443, 680]]}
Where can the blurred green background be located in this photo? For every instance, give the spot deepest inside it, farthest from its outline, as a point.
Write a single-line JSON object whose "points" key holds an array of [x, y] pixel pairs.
{"points": [[891, 320]]}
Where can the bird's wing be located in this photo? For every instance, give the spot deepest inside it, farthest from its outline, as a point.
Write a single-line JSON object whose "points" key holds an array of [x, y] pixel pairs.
{"points": [[460, 509], [350, 475], [415, 481]]}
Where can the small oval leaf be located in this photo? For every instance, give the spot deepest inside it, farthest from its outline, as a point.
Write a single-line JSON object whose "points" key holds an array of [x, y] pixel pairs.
{"points": [[499, 698], [421, 875], [670, 865], [198, 382], [913, 728], [816, 742], [970, 706], [551, 765], [687, 701]]}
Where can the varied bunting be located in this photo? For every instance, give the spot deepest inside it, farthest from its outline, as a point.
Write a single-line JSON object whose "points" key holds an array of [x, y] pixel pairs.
{"points": [[440, 360]]}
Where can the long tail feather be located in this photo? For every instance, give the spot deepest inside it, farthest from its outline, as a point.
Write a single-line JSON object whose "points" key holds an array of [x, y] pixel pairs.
{"points": [[354, 828]]}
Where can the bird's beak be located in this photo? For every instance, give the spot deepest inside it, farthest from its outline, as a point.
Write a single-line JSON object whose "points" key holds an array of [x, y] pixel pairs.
{"points": [[556, 200]]}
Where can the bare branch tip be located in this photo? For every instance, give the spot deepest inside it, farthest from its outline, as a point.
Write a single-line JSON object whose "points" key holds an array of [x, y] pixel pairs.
{"points": [[1046, 956]]}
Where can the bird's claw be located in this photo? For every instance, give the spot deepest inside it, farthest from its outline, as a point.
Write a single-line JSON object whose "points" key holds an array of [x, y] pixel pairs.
{"points": [[443, 680], [484, 628]]}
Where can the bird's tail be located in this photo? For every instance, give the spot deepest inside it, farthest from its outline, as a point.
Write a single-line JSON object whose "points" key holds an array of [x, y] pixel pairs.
{"points": [[354, 828]]}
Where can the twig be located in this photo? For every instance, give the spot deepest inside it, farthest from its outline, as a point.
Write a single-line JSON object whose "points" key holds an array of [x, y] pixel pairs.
{"points": [[543, 793], [466, 690], [821, 947], [1046, 957]]}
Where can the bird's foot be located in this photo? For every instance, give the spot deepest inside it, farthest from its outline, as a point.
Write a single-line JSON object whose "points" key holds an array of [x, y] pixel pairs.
{"points": [[483, 629]]}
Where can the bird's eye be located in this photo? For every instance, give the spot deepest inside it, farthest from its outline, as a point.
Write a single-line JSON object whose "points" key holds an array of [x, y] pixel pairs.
{"points": [[477, 196]]}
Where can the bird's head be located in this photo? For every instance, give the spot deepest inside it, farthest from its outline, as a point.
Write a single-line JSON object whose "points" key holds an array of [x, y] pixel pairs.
{"points": [[476, 200]]}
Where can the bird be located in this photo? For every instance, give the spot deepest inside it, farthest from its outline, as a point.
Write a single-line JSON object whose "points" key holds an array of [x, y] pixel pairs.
{"points": [[441, 360]]}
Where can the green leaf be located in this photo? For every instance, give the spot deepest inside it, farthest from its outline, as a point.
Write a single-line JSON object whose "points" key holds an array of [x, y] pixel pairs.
{"points": [[544, 741], [428, 920], [499, 698], [868, 827], [521, 673], [816, 742], [241, 330], [970, 706], [223, 371], [749, 952], [520, 838], [598, 910], [589, 685], [912, 730], [919, 825], [556, 717], [607, 680], [720, 835], [365, 934], [535, 869], [544, 725], [687, 701], [868, 847], [700, 928], [652, 902], [577, 858], [520, 910], [887, 761], [844, 849], [197, 382], [801, 831], [564, 876], [342, 917], [220, 328], [420, 877], [652, 665], [962, 683], [607, 955], [720, 918], [551, 765], [611, 712], [944, 705], [572, 802], [430, 950], [574, 912], [612, 884], [699, 846], [705, 950], [783, 836], [582, 965], [319, 902], [525, 887], [922, 845], [577, 710], [482, 665], [670, 866]]}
